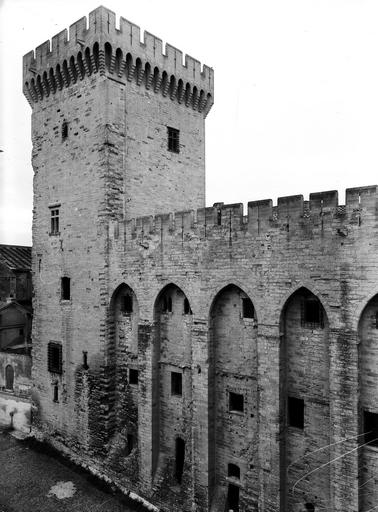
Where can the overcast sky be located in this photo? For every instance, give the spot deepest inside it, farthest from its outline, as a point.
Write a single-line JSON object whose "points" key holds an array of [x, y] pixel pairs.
{"points": [[296, 92]]}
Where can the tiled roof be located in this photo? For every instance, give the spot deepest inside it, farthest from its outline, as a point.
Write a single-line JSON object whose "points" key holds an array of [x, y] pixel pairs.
{"points": [[16, 257]]}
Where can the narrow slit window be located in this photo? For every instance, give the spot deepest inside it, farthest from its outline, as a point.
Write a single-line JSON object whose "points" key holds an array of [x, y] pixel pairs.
{"points": [[64, 130], [173, 140], [56, 393], [133, 376], [54, 357], [295, 412], [235, 402], [66, 288], [248, 309], [85, 360], [176, 383], [371, 428], [179, 459], [130, 443]]}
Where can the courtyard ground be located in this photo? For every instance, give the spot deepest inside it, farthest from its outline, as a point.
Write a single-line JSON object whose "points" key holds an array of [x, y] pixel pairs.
{"points": [[32, 480]]}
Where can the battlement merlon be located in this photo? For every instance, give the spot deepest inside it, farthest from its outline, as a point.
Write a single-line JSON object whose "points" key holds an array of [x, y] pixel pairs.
{"points": [[102, 29], [262, 217]]}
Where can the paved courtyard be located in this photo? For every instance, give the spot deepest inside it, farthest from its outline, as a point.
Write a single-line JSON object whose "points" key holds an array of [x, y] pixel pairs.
{"points": [[33, 481]]}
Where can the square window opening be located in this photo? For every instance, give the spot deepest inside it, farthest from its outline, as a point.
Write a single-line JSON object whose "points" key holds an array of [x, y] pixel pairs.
{"points": [[235, 402], [173, 140], [66, 288], [133, 376], [371, 428], [233, 471], [176, 383], [295, 412]]}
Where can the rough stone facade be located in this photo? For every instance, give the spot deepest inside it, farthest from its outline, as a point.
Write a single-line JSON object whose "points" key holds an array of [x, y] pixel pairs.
{"points": [[208, 358]]}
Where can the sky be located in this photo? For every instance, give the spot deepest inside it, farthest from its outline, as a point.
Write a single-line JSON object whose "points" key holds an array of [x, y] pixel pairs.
{"points": [[296, 93]]}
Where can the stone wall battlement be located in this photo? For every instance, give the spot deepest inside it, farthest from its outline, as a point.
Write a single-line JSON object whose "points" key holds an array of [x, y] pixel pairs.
{"points": [[101, 47], [321, 212]]}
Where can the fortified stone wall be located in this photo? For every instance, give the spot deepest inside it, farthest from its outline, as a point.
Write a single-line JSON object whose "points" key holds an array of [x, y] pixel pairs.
{"points": [[278, 257]]}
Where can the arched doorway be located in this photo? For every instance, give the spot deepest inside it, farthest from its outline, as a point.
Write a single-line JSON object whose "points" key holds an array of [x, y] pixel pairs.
{"points": [[9, 378], [304, 402]]}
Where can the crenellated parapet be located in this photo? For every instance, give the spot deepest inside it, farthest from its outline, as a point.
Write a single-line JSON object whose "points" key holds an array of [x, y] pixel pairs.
{"points": [[321, 213], [99, 47]]}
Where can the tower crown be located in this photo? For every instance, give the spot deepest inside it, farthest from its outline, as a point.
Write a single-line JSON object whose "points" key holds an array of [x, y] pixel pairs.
{"points": [[102, 48]]}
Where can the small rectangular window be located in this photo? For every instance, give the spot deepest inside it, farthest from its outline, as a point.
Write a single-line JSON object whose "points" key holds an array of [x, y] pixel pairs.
{"points": [[248, 309], [234, 471], [173, 140], [235, 402], [312, 313], [133, 376], [54, 221], [127, 305], [295, 412], [66, 288], [371, 428], [176, 383], [54, 357]]}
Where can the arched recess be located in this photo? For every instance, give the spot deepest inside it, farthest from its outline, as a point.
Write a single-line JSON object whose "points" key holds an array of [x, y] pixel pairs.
{"points": [[123, 366], [118, 62], [171, 386], [108, 56], [304, 402], [233, 394], [368, 406]]}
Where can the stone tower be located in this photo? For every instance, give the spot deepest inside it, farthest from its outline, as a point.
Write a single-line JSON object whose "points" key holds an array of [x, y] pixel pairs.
{"points": [[118, 132]]}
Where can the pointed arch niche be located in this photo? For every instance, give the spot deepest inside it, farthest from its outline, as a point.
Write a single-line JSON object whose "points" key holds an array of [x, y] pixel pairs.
{"points": [[304, 402], [172, 382], [233, 399], [123, 366], [368, 406]]}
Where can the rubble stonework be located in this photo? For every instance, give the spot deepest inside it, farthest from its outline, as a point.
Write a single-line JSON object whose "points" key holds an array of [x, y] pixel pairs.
{"points": [[186, 335]]}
